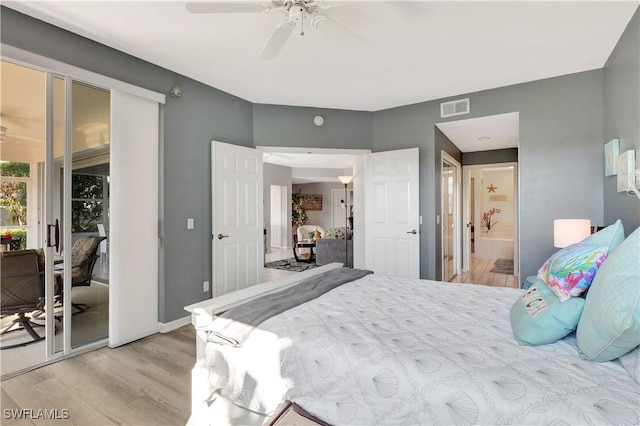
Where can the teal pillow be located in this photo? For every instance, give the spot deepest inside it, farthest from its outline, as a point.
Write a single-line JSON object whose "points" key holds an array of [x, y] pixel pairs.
{"points": [[539, 317], [611, 237], [610, 324]]}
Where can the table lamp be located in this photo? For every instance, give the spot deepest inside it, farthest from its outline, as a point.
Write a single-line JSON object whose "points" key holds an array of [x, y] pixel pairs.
{"points": [[570, 231]]}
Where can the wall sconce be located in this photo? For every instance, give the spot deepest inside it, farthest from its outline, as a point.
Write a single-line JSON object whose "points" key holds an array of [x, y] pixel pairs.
{"points": [[176, 92]]}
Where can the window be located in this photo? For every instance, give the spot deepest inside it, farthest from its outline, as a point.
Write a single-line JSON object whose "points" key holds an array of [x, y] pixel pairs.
{"points": [[13, 193], [89, 195]]}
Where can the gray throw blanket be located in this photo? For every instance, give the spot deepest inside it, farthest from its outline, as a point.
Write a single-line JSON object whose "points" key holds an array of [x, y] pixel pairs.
{"points": [[235, 325]]}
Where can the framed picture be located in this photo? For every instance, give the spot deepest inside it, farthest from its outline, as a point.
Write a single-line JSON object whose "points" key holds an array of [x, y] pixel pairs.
{"points": [[313, 202], [611, 150], [626, 164]]}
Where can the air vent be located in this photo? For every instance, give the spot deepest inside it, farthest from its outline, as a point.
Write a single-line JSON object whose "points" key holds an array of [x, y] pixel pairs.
{"points": [[459, 107]]}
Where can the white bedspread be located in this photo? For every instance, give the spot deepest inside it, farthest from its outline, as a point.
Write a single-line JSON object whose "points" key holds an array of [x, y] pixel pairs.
{"points": [[395, 351]]}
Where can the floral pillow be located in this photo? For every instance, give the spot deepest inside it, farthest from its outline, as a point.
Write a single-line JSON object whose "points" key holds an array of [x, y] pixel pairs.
{"points": [[569, 271], [337, 233]]}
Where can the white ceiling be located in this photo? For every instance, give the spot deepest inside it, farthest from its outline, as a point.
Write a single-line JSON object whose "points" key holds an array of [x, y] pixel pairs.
{"points": [[417, 51], [484, 133], [313, 164]]}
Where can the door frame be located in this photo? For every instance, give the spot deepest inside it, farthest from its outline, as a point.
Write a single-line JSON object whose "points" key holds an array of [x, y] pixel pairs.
{"points": [[357, 186], [468, 210], [457, 221]]}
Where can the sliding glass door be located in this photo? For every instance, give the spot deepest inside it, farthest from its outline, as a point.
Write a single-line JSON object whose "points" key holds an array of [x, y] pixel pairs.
{"points": [[54, 196]]}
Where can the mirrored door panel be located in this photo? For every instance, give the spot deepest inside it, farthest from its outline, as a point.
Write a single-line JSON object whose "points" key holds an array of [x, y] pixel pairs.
{"points": [[89, 207], [448, 199]]}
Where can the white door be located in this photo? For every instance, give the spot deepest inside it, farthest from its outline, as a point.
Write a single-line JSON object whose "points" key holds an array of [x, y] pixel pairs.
{"points": [[392, 213], [133, 234], [237, 247]]}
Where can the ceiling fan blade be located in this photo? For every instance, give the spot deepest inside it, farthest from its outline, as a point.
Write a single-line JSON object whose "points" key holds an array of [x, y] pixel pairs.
{"points": [[337, 32], [328, 4], [228, 7], [277, 40]]}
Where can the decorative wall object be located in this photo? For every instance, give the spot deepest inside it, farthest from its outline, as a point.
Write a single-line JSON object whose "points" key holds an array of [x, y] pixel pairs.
{"points": [[498, 197], [611, 151], [626, 164], [313, 202]]}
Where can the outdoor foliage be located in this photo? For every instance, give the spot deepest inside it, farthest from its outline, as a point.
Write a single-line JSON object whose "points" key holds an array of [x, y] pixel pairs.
{"points": [[86, 207], [17, 234], [13, 195]]}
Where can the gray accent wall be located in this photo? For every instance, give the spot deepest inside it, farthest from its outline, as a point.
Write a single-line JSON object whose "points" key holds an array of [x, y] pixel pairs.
{"points": [[288, 126], [202, 114], [560, 156], [622, 120]]}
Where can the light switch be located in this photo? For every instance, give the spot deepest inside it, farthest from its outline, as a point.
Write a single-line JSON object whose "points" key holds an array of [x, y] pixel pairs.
{"points": [[190, 223]]}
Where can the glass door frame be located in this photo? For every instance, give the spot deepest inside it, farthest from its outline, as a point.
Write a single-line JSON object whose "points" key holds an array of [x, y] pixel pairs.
{"points": [[52, 166], [455, 239]]}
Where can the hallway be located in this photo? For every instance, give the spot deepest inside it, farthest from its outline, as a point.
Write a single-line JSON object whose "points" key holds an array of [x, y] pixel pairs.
{"points": [[479, 273]]}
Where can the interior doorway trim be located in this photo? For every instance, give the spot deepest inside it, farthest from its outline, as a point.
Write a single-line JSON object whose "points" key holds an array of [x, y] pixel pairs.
{"points": [[357, 183], [468, 210]]}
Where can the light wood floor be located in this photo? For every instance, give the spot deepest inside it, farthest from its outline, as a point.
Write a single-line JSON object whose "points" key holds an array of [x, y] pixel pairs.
{"points": [[479, 274], [143, 383]]}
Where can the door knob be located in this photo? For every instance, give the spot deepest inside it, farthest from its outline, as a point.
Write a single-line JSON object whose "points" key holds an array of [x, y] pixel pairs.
{"points": [[220, 236], [413, 231]]}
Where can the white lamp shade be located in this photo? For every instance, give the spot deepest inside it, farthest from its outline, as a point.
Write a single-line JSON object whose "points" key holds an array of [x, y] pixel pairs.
{"points": [[570, 231], [345, 179]]}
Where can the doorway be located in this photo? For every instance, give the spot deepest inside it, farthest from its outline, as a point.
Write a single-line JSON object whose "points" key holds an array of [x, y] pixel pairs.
{"points": [[491, 214]]}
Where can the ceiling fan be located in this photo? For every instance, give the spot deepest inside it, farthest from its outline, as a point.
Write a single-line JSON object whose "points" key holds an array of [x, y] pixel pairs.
{"points": [[295, 12], [6, 137]]}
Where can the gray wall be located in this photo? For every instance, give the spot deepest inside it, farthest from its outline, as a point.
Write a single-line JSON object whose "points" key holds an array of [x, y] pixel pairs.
{"points": [[288, 126], [622, 120], [275, 175], [560, 155], [203, 113]]}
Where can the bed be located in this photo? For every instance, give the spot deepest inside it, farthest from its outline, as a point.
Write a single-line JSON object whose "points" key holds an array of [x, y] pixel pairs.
{"points": [[379, 350]]}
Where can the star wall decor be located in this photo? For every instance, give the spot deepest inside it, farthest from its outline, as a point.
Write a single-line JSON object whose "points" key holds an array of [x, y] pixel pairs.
{"points": [[492, 188]]}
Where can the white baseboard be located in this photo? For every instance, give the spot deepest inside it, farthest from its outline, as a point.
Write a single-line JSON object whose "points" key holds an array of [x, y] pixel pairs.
{"points": [[165, 327]]}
